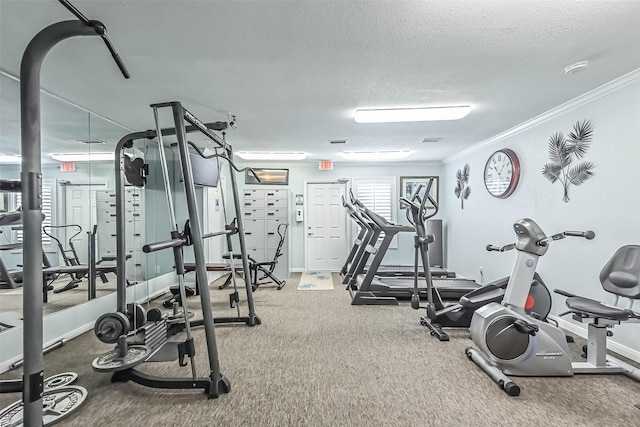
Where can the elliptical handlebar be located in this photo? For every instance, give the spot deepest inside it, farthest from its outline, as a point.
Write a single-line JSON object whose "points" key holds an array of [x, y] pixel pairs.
{"points": [[419, 211]]}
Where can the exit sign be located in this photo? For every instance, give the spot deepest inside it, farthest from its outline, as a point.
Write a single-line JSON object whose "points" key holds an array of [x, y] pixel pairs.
{"points": [[326, 165], [68, 167]]}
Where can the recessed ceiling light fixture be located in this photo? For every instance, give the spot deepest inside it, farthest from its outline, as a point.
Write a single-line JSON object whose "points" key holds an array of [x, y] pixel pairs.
{"points": [[10, 158], [82, 157], [271, 155], [432, 139], [576, 67], [426, 114], [376, 155], [338, 141]]}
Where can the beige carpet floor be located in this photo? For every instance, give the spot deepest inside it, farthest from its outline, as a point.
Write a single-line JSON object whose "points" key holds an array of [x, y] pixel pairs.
{"points": [[318, 361]]}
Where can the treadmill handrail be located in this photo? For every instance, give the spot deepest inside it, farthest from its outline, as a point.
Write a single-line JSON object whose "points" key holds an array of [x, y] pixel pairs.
{"points": [[387, 227]]}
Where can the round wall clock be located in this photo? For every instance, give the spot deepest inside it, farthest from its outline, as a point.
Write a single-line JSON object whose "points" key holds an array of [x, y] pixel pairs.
{"points": [[502, 173]]}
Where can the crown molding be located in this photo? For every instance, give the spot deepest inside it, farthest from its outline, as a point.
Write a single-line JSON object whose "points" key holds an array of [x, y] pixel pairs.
{"points": [[587, 98]]}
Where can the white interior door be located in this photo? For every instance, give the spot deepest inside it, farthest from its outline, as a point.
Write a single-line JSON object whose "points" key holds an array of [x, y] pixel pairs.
{"points": [[79, 209], [215, 246], [326, 227]]}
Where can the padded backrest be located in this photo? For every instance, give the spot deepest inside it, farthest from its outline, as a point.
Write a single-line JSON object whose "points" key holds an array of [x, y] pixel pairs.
{"points": [[621, 275]]}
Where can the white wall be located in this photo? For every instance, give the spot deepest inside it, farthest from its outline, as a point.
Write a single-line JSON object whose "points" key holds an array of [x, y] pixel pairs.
{"points": [[607, 204]]}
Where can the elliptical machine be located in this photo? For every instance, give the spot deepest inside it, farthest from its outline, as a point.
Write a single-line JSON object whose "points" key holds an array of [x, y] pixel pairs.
{"points": [[510, 342]]}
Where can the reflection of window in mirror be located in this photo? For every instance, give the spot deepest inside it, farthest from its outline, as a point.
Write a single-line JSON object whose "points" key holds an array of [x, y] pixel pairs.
{"points": [[47, 209], [4, 202]]}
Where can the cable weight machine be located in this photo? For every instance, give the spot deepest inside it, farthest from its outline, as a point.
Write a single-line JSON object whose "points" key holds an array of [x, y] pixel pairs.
{"points": [[145, 337]]}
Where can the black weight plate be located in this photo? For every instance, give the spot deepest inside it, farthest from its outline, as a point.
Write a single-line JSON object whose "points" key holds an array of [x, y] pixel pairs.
{"points": [[111, 361], [57, 403], [110, 326], [60, 380]]}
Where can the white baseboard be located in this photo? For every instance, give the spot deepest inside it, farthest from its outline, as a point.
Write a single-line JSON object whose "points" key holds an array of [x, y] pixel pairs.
{"points": [[297, 270], [622, 350]]}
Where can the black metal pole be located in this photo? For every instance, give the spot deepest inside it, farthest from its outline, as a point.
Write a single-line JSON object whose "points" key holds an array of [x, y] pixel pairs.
{"points": [[219, 384], [31, 176], [243, 246]]}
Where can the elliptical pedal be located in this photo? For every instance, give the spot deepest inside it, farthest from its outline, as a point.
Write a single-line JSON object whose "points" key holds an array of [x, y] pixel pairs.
{"points": [[435, 329]]}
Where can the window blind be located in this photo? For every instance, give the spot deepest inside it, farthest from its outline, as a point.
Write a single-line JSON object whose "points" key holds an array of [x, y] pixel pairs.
{"points": [[378, 195], [47, 209]]}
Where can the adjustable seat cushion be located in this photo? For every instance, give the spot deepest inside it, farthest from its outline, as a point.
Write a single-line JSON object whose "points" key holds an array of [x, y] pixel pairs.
{"points": [[592, 308], [621, 275]]}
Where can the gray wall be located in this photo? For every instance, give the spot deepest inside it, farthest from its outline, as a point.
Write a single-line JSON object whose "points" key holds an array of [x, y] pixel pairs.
{"points": [[607, 204]]}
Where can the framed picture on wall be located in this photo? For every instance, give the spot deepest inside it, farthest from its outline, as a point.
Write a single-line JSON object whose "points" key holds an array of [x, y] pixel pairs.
{"points": [[410, 184]]}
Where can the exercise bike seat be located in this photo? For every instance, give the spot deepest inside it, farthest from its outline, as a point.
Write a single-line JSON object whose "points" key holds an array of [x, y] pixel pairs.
{"points": [[586, 307]]}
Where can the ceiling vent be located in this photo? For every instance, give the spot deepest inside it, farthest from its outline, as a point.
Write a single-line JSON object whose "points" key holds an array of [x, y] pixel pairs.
{"points": [[432, 140], [338, 141]]}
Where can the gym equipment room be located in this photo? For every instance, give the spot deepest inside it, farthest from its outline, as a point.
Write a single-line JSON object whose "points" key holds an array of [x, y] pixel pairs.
{"points": [[319, 213]]}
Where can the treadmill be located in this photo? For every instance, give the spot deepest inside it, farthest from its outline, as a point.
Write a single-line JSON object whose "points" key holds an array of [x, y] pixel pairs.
{"points": [[364, 246], [371, 288]]}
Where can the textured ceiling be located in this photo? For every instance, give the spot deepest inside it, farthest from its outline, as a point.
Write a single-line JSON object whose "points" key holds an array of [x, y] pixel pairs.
{"points": [[294, 71]]}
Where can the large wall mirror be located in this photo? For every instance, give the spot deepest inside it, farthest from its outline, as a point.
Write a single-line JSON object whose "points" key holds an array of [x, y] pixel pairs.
{"points": [[78, 189]]}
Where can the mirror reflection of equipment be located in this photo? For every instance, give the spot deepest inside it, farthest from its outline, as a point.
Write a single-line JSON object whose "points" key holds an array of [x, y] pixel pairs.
{"points": [[35, 403]]}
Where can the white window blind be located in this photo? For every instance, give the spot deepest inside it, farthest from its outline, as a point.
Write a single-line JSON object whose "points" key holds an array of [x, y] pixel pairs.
{"points": [[47, 209], [378, 195]]}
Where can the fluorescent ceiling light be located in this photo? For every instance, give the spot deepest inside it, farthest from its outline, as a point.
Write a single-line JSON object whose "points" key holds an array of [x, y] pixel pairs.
{"points": [[82, 157], [270, 155], [376, 155], [427, 114], [10, 158]]}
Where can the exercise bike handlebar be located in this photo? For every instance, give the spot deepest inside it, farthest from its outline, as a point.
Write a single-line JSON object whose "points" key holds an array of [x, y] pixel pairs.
{"points": [[504, 248], [589, 235]]}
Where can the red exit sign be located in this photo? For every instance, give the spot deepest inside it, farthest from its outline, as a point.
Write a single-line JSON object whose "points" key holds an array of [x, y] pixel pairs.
{"points": [[68, 167], [326, 165]]}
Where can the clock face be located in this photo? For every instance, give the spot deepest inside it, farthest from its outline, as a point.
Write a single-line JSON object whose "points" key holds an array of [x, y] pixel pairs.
{"points": [[502, 173]]}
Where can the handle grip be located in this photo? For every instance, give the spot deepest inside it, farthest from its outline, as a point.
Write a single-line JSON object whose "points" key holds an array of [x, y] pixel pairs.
{"points": [[589, 235], [158, 246]]}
